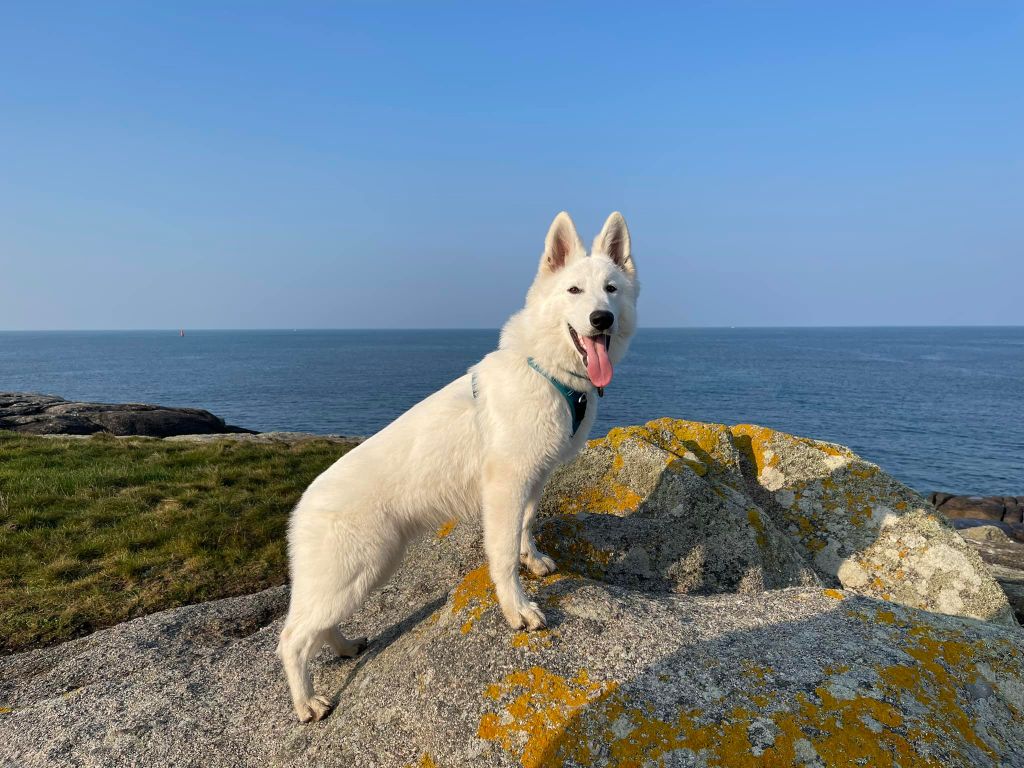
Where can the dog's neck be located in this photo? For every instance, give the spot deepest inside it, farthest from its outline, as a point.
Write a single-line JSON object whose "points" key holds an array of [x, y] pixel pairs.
{"points": [[547, 349]]}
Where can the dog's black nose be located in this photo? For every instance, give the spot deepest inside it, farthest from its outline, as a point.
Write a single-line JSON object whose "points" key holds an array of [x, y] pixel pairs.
{"points": [[602, 319]]}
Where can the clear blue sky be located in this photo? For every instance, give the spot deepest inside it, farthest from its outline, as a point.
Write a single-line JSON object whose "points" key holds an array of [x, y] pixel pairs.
{"points": [[261, 165]]}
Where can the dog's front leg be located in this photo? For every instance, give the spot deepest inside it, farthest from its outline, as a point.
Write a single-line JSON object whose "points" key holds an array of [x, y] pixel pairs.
{"points": [[504, 498]]}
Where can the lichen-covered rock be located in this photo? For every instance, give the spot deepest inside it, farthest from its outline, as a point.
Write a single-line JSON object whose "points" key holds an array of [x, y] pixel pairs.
{"points": [[691, 625], [793, 677], [640, 509], [803, 503], [1001, 546]]}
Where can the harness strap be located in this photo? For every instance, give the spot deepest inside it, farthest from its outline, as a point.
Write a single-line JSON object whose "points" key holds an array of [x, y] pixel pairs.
{"points": [[576, 400]]}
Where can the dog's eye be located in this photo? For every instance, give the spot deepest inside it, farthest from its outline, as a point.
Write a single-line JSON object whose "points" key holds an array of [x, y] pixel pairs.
{"points": [[610, 288], [575, 289]]}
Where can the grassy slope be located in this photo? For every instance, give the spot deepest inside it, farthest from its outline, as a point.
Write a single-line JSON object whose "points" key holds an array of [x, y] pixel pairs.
{"points": [[93, 532]]}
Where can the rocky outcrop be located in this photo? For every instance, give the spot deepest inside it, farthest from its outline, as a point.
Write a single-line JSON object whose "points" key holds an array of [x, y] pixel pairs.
{"points": [[737, 491], [992, 526], [727, 597], [49, 415], [1001, 546], [1008, 509]]}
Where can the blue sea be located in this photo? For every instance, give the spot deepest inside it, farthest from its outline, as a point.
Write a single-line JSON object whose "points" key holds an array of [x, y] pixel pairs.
{"points": [[939, 408]]}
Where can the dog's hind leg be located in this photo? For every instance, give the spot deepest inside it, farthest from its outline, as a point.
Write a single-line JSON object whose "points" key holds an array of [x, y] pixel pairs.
{"points": [[326, 591], [538, 563], [343, 647], [297, 642]]}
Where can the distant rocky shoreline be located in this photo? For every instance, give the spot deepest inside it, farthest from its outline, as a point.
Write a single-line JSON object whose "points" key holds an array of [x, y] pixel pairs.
{"points": [[49, 416], [36, 414]]}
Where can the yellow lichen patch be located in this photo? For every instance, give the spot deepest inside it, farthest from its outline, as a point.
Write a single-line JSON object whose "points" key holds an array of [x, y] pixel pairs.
{"points": [[756, 673], [532, 641], [835, 594], [858, 507], [866, 472], [808, 532], [757, 445], [607, 497], [838, 669], [610, 494], [5, 710], [446, 529], [686, 446], [835, 728], [554, 722], [758, 525], [474, 595], [838, 731], [564, 540], [690, 461], [679, 437], [426, 761], [542, 705], [947, 662]]}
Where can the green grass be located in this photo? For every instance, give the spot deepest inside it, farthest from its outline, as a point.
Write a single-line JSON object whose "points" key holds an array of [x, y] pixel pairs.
{"points": [[96, 531]]}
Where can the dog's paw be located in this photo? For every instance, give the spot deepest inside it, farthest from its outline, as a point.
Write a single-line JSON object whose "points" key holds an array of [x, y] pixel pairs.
{"points": [[316, 708], [527, 615], [541, 565]]}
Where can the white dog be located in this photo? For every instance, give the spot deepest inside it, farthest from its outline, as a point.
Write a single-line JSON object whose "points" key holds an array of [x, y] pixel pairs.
{"points": [[486, 442]]}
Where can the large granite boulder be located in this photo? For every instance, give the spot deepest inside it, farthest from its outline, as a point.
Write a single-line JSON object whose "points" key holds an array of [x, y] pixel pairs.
{"points": [[697, 620], [754, 508], [50, 415], [993, 526]]}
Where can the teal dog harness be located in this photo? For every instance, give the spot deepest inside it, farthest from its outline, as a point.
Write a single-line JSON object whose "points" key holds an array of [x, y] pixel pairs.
{"points": [[576, 400]]}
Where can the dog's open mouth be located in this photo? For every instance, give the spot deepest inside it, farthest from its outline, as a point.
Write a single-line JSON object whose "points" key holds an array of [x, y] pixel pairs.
{"points": [[594, 351]]}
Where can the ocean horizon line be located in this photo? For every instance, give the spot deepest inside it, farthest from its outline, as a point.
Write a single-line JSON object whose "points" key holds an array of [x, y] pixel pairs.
{"points": [[285, 329]]}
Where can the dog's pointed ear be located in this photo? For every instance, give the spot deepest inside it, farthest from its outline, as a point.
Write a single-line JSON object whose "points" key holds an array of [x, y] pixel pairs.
{"points": [[614, 243], [561, 246]]}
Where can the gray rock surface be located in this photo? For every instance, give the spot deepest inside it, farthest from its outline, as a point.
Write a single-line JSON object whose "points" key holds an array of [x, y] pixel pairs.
{"points": [[1002, 549], [49, 415], [691, 625]]}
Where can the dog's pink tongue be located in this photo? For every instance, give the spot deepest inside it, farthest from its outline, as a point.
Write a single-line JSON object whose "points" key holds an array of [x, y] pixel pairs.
{"points": [[599, 367]]}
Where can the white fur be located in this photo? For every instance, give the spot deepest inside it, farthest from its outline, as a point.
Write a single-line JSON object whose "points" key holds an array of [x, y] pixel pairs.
{"points": [[453, 455]]}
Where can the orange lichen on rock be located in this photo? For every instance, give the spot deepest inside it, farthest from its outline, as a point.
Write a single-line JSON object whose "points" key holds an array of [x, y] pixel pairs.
{"points": [[532, 641], [542, 706], [754, 516], [682, 437], [757, 446], [446, 529], [564, 539], [687, 445], [551, 721], [607, 497], [474, 594]]}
